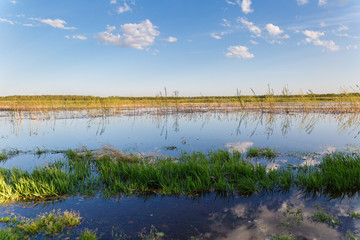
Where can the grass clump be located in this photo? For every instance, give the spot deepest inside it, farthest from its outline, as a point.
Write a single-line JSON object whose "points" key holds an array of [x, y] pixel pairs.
{"points": [[153, 234], [88, 235], [254, 152], [353, 214], [3, 155], [49, 224], [321, 216]]}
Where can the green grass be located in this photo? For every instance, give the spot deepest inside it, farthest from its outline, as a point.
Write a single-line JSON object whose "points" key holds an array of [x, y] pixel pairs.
{"points": [[254, 152], [191, 174], [353, 214], [321, 216], [48, 224], [3, 155], [88, 235]]}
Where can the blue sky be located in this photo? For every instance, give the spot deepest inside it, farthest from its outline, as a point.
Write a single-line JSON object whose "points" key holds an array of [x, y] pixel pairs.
{"points": [[197, 47]]}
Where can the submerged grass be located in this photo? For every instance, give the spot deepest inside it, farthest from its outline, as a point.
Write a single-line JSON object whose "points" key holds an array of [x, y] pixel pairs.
{"points": [[192, 174], [48, 224]]}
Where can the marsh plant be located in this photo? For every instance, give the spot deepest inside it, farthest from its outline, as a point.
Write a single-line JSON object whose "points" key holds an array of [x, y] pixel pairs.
{"points": [[321, 216], [48, 224], [292, 218], [254, 152], [111, 173]]}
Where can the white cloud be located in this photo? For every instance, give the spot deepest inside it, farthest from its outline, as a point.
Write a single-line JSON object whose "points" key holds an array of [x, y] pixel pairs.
{"points": [[124, 8], [239, 52], [302, 2], [230, 2], [329, 44], [245, 6], [171, 39], [13, 2], [28, 25], [214, 35], [342, 28], [6, 21], [56, 23], [313, 37], [322, 2], [79, 37], [251, 26], [322, 24], [273, 30], [225, 23], [313, 34], [254, 42], [353, 46], [133, 35], [112, 1]]}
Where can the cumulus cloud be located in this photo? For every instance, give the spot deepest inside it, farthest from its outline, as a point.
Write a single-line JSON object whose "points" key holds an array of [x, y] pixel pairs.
{"points": [[322, 2], [314, 38], [6, 21], [56, 23], [313, 34], [112, 1], [171, 39], [133, 35], [251, 26], [245, 6], [302, 2], [125, 8], [273, 30], [239, 52], [13, 2]]}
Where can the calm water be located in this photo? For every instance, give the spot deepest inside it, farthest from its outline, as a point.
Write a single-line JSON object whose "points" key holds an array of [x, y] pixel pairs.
{"points": [[208, 217]]}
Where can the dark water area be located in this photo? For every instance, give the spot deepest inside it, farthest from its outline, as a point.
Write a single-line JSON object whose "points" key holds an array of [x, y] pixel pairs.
{"points": [[207, 217], [299, 139]]}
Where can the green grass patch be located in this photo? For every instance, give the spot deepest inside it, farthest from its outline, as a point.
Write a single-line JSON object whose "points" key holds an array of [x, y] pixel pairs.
{"points": [[191, 174], [321, 216], [88, 235], [254, 152], [3, 155], [48, 224]]}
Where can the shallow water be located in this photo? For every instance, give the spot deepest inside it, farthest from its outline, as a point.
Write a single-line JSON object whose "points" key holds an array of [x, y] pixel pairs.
{"points": [[299, 139]]}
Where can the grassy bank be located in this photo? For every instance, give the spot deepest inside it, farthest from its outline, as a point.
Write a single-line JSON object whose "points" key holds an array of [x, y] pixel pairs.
{"points": [[344, 102], [192, 174]]}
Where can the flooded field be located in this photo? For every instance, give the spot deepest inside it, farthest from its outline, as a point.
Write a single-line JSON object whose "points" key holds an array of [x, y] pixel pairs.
{"points": [[33, 140]]}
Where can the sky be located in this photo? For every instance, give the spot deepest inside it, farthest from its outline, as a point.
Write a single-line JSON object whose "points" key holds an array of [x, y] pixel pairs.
{"points": [[194, 47]]}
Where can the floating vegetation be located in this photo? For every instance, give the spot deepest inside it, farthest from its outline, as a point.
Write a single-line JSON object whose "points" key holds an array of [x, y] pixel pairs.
{"points": [[353, 214], [153, 234], [49, 224], [254, 152], [321, 216], [88, 173]]}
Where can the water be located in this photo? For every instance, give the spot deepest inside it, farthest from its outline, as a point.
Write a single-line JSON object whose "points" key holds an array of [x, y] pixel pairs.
{"points": [[297, 138]]}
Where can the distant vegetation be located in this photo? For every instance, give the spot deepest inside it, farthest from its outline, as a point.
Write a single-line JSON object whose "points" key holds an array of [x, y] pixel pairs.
{"points": [[268, 102]]}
